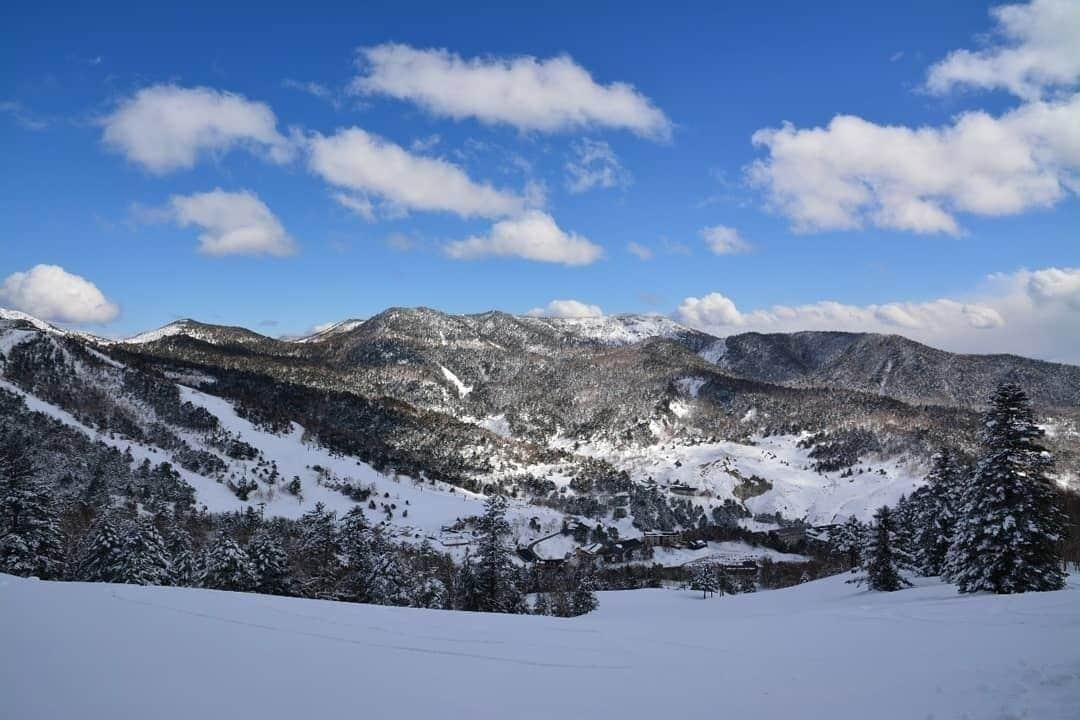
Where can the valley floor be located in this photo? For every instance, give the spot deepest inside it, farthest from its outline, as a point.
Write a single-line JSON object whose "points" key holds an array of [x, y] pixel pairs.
{"points": [[823, 649]]}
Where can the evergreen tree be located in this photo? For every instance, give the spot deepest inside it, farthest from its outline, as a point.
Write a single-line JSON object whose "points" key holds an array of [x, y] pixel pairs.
{"points": [[227, 566], [427, 591], [318, 552], [561, 604], [704, 579], [496, 581], [905, 520], [542, 606], [371, 571], [30, 538], [1007, 538], [935, 515], [102, 554], [466, 592], [747, 583], [583, 598], [847, 541], [145, 560], [269, 563], [883, 560], [185, 568]]}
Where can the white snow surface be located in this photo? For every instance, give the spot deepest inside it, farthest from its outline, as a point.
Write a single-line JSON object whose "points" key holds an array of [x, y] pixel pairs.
{"points": [[430, 507], [618, 329], [714, 470], [180, 327], [715, 352], [6, 314], [824, 649], [338, 328], [463, 390]]}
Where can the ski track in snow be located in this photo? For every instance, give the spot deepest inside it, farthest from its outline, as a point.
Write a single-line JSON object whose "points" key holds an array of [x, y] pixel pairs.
{"points": [[822, 649]]}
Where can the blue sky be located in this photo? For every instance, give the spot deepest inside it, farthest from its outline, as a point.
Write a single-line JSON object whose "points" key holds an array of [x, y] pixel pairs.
{"points": [[672, 161]]}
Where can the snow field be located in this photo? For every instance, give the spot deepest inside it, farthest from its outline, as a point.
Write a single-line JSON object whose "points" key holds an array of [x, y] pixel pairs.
{"points": [[822, 649]]}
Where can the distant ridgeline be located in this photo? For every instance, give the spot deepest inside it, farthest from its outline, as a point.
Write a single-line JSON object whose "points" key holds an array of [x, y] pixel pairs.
{"points": [[359, 463]]}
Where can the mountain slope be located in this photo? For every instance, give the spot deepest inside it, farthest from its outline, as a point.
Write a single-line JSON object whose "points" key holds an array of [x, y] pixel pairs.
{"points": [[421, 411], [891, 365]]}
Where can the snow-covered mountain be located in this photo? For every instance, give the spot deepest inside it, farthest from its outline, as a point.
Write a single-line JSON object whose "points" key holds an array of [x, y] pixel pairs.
{"points": [[634, 422], [890, 365], [213, 334]]}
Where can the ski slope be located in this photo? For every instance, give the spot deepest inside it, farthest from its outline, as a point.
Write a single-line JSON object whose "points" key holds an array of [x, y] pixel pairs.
{"points": [[824, 649]]}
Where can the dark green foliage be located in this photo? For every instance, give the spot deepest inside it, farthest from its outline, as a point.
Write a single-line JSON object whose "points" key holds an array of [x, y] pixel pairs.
{"points": [[227, 566], [496, 581], [30, 538], [935, 513], [847, 541], [269, 562], [1011, 526], [705, 579], [145, 560], [102, 553], [883, 559]]}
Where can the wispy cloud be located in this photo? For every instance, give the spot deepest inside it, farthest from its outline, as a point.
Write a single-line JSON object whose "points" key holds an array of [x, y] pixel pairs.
{"points": [[528, 93]]}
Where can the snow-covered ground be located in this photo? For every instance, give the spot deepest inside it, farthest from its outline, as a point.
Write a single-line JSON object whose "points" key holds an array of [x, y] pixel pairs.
{"points": [[823, 649], [714, 470], [430, 507]]}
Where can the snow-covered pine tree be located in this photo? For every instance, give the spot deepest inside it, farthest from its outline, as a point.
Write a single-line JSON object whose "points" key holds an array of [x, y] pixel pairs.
{"points": [[30, 538], [747, 583], [102, 552], [496, 581], [935, 513], [847, 541], [1010, 523], [704, 579], [371, 572], [542, 604], [145, 559], [583, 598], [905, 514], [185, 569], [269, 562], [427, 591], [317, 553], [883, 560], [466, 593], [227, 566]]}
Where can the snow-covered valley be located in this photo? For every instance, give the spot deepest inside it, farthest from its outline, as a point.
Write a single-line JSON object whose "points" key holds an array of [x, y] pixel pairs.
{"points": [[822, 649]]}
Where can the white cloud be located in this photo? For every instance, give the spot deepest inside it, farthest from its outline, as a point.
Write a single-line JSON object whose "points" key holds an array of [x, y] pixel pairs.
{"points": [[423, 144], [313, 89], [166, 127], [642, 251], [357, 204], [724, 240], [525, 92], [566, 309], [854, 173], [51, 293], [533, 236], [1055, 284], [1037, 49], [594, 165], [1032, 313], [233, 223], [22, 116], [366, 164]]}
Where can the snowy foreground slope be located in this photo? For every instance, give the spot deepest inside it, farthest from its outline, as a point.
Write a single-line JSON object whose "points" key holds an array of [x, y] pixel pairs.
{"points": [[824, 649]]}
